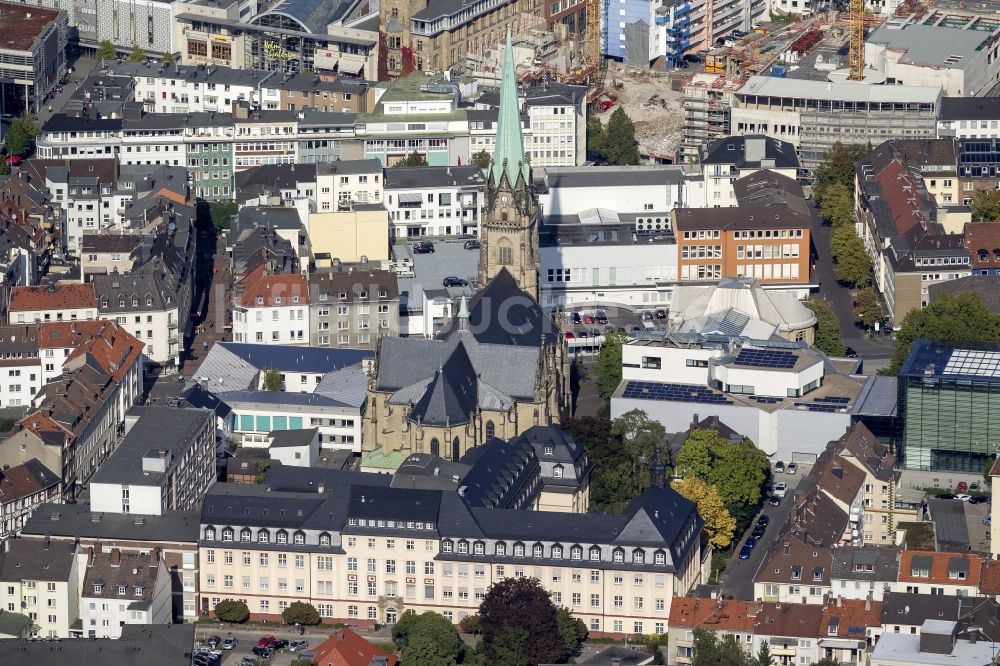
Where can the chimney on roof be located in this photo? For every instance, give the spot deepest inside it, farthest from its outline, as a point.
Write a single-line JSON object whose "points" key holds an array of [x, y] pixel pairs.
{"points": [[90, 556], [840, 601], [154, 558], [116, 557]]}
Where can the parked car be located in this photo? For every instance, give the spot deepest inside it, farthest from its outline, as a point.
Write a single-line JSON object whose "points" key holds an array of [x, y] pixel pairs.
{"points": [[588, 319], [212, 641], [205, 659], [962, 487], [974, 487], [963, 497], [584, 334], [850, 353], [980, 499], [779, 467], [248, 661], [764, 520], [262, 652], [661, 313], [751, 541], [758, 531], [595, 332], [602, 317], [792, 468], [945, 496], [471, 245], [774, 500], [423, 247], [647, 315], [575, 318], [295, 646], [570, 335], [452, 281], [745, 552], [266, 641], [279, 643], [986, 520], [229, 643], [780, 489]]}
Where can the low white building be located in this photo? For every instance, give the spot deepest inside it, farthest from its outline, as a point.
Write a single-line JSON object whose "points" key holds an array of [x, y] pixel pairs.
{"points": [[123, 588], [297, 448], [42, 580], [434, 201], [780, 394], [726, 160]]}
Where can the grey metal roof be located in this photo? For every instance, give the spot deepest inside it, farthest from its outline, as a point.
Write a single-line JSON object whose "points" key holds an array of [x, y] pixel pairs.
{"points": [[877, 397], [969, 108], [623, 176], [36, 560], [430, 177], [146, 644], [175, 430], [905, 608], [233, 398], [76, 520], [285, 438], [852, 563], [937, 46], [347, 386], [349, 167], [284, 358], [313, 15]]}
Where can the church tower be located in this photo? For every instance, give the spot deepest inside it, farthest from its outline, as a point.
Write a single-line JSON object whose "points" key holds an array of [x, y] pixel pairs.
{"points": [[509, 227]]}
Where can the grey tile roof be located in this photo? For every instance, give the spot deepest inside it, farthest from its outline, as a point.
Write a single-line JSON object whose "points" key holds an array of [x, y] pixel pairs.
{"points": [[233, 398], [36, 560], [732, 150], [138, 573], [866, 563], [149, 645], [573, 177], [283, 438], [428, 176], [969, 108], [904, 608], [349, 167], [76, 520], [451, 397]]}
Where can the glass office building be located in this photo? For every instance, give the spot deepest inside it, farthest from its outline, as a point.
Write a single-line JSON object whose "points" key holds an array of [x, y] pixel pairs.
{"points": [[949, 405]]}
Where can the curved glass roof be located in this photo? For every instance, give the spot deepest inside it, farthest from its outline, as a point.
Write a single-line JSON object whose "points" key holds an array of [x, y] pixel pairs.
{"points": [[313, 15]]}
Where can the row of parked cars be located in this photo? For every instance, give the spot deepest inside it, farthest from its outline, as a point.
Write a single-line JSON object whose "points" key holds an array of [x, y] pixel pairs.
{"points": [[210, 654], [755, 536]]}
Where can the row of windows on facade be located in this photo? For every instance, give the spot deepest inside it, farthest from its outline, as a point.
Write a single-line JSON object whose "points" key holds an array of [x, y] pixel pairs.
{"points": [[555, 552]]}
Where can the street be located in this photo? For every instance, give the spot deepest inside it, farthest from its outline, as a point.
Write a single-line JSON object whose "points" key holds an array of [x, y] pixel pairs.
{"points": [[737, 579]]}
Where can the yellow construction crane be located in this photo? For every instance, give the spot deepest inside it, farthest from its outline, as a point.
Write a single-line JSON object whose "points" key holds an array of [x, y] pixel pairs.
{"points": [[857, 41], [592, 48]]}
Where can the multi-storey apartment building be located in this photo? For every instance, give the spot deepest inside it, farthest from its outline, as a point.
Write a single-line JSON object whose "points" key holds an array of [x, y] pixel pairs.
{"points": [[34, 55], [352, 308], [165, 462], [22, 489], [53, 302], [123, 588], [728, 159], [366, 553], [434, 201], [272, 308], [42, 580]]}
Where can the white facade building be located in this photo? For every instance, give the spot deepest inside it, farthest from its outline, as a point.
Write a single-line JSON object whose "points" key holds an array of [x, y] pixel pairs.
{"points": [[272, 309], [123, 588], [434, 201]]}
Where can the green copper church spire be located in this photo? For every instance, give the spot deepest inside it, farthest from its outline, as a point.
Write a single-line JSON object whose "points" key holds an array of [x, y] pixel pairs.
{"points": [[509, 152]]}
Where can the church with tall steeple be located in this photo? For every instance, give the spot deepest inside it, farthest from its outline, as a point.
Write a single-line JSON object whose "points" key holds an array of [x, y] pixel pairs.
{"points": [[509, 227], [501, 365]]}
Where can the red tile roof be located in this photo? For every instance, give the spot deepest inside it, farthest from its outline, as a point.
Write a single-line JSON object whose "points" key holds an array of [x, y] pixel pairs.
{"points": [[989, 577], [983, 237], [112, 347], [52, 297], [262, 289], [850, 614], [713, 614], [346, 648], [904, 195], [26, 480], [939, 568]]}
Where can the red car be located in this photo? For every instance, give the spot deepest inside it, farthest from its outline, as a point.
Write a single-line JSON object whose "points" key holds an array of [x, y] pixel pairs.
{"points": [[962, 486], [13, 160], [570, 335], [266, 642], [588, 319]]}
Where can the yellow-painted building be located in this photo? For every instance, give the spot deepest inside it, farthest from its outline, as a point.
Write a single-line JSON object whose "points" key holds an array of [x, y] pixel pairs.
{"points": [[350, 235]]}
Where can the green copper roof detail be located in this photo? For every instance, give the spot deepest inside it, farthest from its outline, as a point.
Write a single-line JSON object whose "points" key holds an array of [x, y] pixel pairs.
{"points": [[463, 308], [509, 152]]}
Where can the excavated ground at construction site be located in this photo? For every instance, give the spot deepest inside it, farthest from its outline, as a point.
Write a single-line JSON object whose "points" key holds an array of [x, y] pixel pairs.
{"points": [[654, 107]]}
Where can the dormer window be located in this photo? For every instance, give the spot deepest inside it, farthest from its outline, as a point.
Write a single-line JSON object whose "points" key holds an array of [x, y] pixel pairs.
{"points": [[324, 539], [557, 471], [576, 553], [246, 535], [343, 295], [479, 548], [104, 302], [446, 546], [121, 302], [362, 295], [295, 299], [638, 557], [463, 547], [619, 555], [557, 552], [227, 534], [149, 301], [98, 588], [595, 553], [260, 300], [548, 449], [282, 537], [818, 574], [796, 573], [323, 296], [299, 538], [383, 293], [518, 550], [135, 302], [660, 558], [263, 536], [537, 550], [277, 300], [138, 590], [122, 589], [209, 534], [501, 548]]}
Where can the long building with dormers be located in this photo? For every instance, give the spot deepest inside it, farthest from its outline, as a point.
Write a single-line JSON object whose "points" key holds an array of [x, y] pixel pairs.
{"points": [[363, 552]]}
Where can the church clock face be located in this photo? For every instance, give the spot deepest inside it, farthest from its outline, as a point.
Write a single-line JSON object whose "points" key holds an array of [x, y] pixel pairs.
{"points": [[504, 199]]}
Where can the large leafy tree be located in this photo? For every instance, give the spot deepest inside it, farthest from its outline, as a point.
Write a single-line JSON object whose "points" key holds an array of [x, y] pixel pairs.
{"points": [[430, 626], [837, 206], [272, 381], [300, 612], [868, 308], [960, 318], [853, 265], [842, 238], [230, 610], [985, 206], [106, 51], [423, 650], [764, 656], [608, 371], [572, 630], [414, 159], [709, 650], [595, 139], [137, 54], [481, 159], [20, 137], [838, 167], [736, 470], [523, 605], [508, 649], [719, 524], [827, 337]]}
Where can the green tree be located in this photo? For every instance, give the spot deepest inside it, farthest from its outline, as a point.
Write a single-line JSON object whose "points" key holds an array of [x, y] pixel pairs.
{"points": [[842, 238], [230, 610], [837, 206], [620, 143], [608, 370], [509, 648], [521, 604], [20, 137], [106, 51], [221, 214], [827, 338], [719, 524], [764, 656], [595, 139], [482, 159], [572, 630], [168, 59], [709, 650], [414, 159], [853, 265], [272, 381], [470, 624], [428, 625], [869, 308], [826, 662], [137, 54], [736, 470], [959, 318], [985, 206], [423, 650], [838, 167], [302, 661], [300, 612], [637, 436]]}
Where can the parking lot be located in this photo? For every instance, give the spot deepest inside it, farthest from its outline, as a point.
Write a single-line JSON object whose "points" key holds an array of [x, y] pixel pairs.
{"points": [[247, 640], [737, 579], [585, 327]]}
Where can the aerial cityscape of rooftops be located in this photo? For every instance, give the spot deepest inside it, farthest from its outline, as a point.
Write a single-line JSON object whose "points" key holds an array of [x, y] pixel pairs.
{"points": [[499, 332]]}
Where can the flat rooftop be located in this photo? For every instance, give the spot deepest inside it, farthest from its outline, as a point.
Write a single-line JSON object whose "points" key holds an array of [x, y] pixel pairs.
{"points": [[450, 258], [836, 91], [931, 45], [22, 25]]}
